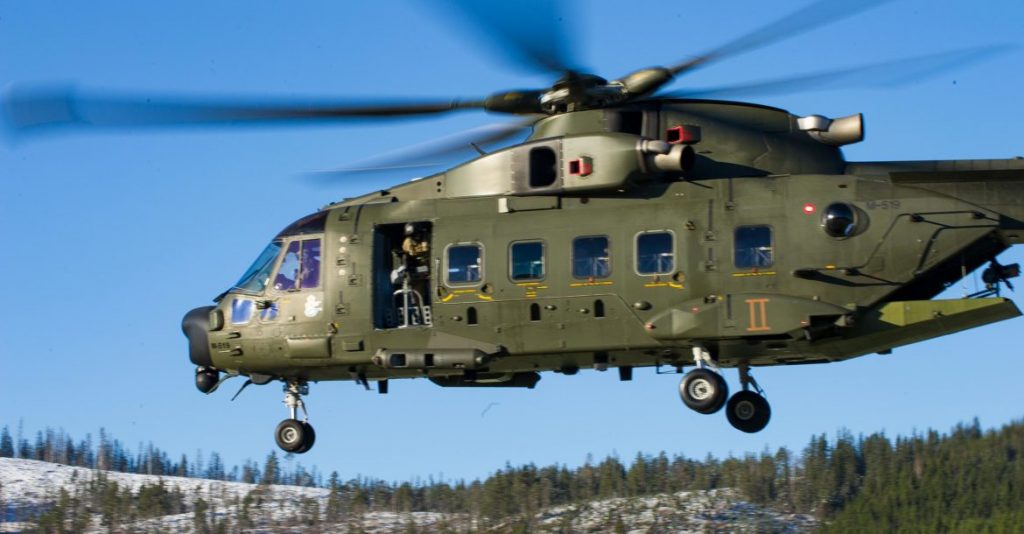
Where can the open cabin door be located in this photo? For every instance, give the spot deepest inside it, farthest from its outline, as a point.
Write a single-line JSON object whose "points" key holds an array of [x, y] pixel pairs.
{"points": [[403, 275]]}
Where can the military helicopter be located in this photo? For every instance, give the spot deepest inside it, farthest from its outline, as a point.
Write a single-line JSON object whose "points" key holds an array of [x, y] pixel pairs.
{"points": [[633, 228]]}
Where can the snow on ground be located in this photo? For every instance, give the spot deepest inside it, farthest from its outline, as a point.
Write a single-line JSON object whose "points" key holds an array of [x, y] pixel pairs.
{"points": [[687, 511], [30, 485]]}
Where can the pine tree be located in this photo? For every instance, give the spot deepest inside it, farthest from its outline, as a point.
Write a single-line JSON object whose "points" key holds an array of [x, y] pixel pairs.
{"points": [[402, 501], [250, 473], [182, 467], [271, 470], [6, 444], [784, 480], [200, 523], [215, 468], [103, 454], [333, 511], [197, 469], [636, 477]]}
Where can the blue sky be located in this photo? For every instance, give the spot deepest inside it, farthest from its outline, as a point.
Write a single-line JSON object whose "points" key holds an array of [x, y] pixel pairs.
{"points": [[111, 238]]}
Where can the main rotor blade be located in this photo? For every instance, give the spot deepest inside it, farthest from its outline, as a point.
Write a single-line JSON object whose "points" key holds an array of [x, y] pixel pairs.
{"points": [[889, 73], [531, 32], [813, 16], [431, 153], [38, 108]]}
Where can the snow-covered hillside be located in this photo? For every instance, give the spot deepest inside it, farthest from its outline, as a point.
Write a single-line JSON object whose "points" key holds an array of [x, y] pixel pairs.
{"points": [[29, 483], [30, 486]]}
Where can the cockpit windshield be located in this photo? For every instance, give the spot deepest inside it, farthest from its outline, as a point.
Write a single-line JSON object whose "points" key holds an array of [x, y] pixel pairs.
{"points": [[257, 276]]}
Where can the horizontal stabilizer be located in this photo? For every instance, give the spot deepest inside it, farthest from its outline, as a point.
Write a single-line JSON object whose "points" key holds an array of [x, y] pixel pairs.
{"points": [[901, 323]]}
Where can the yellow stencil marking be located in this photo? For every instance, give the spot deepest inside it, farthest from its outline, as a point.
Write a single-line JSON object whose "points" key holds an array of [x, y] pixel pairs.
{"points": [[531, 288], [461, 292], [755, 273], [587, 284], [664, 284]]}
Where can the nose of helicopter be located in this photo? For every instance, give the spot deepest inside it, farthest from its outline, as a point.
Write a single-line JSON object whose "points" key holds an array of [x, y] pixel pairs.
{"points": [[195, 326]]}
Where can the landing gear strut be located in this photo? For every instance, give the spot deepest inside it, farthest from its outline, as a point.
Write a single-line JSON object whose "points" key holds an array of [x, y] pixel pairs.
{"points": [[748, 410], [703, 390], [293, 435]]}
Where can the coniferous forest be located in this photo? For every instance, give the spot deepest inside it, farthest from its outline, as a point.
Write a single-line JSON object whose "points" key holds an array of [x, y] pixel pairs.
{"points": [[965, 480]]}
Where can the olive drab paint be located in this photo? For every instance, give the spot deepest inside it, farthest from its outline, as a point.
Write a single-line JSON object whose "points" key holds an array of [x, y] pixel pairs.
{"points": [[527, 264]]}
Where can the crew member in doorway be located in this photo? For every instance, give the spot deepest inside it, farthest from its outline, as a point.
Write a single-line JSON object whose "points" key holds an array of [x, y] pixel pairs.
{"points": [[417, 252], [412, 276]]}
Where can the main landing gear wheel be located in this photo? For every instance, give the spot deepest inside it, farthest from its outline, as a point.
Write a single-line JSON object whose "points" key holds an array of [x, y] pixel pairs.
{"points": [[293, 435], [748, 411], [703, 391]]}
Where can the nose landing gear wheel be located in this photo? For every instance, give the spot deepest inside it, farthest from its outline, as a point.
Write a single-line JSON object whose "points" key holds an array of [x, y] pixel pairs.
{"points": [[295, 436], [703, 391], [748, 411]]}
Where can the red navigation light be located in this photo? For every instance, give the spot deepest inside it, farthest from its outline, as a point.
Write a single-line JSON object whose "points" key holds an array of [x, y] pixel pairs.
{"points": [[809, 209]]}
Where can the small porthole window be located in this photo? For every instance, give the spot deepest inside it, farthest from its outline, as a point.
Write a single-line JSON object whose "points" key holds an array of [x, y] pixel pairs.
{"points": [[839, 220]]}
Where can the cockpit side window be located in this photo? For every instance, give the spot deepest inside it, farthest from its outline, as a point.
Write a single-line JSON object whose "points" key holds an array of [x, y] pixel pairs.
{"points": [[300, 266], [288, 272], [310, 272]]}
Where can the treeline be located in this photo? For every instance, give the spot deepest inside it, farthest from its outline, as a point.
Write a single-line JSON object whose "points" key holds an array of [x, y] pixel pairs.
{"points": [[965, 480], [109, 454], [97, 502], [98, 499]]}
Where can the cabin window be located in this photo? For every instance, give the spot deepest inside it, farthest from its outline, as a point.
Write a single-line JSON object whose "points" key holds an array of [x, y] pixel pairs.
{"points": [[655, 253], [471, 318], [300, 266], [754, 248], [591, 257], [465, 264], [543, 168], [527, 260]]}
